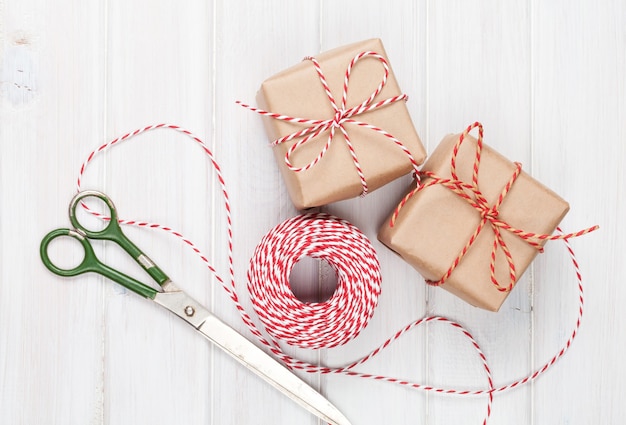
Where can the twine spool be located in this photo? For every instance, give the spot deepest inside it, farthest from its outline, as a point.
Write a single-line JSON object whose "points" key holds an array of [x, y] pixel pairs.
{"points": [[321, 324]]}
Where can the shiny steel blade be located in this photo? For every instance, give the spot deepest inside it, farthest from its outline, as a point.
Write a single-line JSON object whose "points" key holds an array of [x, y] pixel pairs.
{"points": [[250, 356]]}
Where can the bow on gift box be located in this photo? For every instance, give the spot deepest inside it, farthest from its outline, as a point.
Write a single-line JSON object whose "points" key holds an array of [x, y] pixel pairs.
{"points": [[342, 116], [471, 193]]}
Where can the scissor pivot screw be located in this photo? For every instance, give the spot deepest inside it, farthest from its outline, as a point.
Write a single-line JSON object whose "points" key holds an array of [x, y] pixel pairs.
{"points": [[189, 311]]}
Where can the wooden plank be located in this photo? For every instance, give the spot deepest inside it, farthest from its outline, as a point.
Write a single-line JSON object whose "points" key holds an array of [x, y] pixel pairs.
{"points": [[579, 115], [51, 92], [159, 69]]}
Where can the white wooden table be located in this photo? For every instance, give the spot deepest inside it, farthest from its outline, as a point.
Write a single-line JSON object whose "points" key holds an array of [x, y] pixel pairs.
{"points": [[547, 79]]}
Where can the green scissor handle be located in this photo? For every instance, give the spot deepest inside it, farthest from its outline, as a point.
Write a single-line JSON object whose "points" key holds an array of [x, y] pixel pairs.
{"points": [[90, 263]]}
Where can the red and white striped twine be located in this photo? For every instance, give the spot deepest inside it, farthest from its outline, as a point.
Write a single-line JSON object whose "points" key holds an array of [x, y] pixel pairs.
{"points": [[347, 249], [342, 116], [315, 325]]}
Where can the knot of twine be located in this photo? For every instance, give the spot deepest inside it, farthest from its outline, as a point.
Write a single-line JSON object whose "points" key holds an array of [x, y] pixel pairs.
{"points": [[342, 116], [489, 214]]}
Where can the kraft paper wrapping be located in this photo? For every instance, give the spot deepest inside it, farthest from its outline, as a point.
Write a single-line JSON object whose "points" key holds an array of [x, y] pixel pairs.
{"points": [[298, 92], [435, 224]]}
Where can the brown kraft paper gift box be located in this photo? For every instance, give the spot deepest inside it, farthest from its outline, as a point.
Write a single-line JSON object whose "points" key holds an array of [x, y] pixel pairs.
{"points": [[298, 92], [435, 224]]}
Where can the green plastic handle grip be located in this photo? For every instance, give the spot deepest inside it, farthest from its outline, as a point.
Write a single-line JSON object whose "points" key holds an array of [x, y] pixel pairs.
{"points": [[90, 263], [113, 232]]}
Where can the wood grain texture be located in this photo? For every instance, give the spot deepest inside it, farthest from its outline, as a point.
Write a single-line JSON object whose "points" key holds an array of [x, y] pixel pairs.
{"points": [[579, 83], [547, 79]]}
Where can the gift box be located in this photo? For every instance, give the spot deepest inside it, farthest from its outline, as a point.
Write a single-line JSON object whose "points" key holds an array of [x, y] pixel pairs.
{"points": [[384, 144], [450, 226]]}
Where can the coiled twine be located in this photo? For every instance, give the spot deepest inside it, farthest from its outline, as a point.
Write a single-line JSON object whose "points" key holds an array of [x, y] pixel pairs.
{"points": [[315, 325]]}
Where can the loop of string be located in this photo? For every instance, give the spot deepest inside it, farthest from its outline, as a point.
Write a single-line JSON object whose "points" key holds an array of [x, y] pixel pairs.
{"points": [[489, 214], [272, 343], [342, 116]]}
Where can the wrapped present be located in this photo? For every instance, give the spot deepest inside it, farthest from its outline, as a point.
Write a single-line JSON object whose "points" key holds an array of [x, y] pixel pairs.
{"points": [[475, 221], [339, 125]]}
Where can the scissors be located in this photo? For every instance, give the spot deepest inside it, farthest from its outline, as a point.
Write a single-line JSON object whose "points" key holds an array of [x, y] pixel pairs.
{"points": [[169, 296]]}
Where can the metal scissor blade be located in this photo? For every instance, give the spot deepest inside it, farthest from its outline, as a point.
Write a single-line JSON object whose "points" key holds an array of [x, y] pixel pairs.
{"points": [[250, 356], [269, 369]]}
